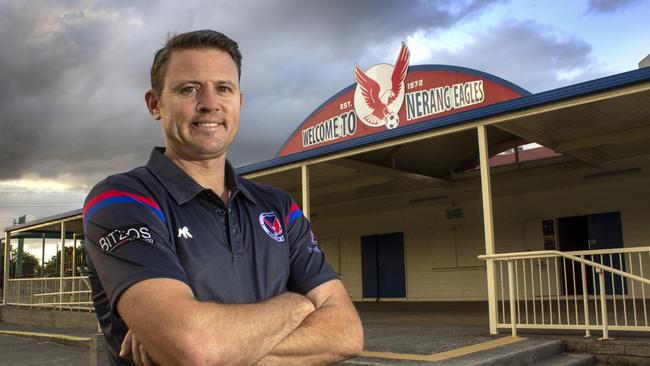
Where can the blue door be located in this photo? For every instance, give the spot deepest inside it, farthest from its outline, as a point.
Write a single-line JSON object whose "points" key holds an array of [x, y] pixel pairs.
{"points": [[382, 259], [605, 232], [370, 280]]}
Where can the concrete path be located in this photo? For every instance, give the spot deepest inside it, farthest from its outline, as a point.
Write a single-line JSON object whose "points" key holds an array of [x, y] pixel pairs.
{"points": [[409, 333], [36, 352], [4, 327]]}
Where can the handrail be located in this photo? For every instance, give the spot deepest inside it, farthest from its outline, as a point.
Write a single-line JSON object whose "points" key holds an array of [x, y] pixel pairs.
{"points": [[57, 304], [69, 291], [62, 293], [48, 278], [552, 253], [610, 251]]}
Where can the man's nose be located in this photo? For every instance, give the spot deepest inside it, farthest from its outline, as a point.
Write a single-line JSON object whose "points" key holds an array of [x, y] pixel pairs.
{"points": [[207, 101]]}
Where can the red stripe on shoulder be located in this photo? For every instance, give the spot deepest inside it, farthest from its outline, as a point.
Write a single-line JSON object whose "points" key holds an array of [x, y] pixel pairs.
{"points": [[294, 207], [115, 193]]}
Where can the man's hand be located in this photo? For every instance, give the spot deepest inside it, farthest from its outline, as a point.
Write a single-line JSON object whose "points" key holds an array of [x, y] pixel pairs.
{"points": [[329, 335], [135, 351]]}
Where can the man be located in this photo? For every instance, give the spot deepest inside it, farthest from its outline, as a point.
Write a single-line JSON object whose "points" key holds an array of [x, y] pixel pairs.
{"points": [[190, 263]]}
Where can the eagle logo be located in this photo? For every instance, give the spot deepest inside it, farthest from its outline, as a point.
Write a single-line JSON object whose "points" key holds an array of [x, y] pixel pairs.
{"points": [[380, 91], [271, 225]]}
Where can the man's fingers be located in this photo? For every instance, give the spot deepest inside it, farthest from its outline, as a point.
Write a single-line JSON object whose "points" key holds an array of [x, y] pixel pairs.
{"points": [[146, 360], [131, 348], [125, 348], [135, 351]]}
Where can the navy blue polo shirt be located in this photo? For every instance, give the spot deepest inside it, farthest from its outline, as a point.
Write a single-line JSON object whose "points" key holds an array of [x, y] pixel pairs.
{"points": [[157, 222]]}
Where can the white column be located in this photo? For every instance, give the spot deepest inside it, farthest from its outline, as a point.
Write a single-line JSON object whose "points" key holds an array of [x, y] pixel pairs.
{"points": [[5, 278], [62, 264], [305, 191], [74, 264], [488, 225], [74, 256], [43, 256]]}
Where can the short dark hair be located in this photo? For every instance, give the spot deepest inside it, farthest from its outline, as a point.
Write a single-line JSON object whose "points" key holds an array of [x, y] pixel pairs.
{"points": [[197, 39]]}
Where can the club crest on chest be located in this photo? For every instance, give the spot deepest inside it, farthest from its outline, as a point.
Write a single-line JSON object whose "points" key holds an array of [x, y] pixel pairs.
{"points": [[271, 225]]}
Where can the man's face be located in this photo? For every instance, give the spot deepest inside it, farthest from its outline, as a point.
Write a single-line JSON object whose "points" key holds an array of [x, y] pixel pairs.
{"points": [[200, 103]]}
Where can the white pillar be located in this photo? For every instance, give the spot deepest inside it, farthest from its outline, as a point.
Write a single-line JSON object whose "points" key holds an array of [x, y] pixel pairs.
{"points": [[5, 278], [43, 256], [305, 191], [74, 256], [62, 264], [488, 225], [74, 265]]}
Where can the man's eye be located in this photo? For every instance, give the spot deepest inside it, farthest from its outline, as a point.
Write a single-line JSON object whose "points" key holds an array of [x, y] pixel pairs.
{"points": [[223, 88], [188, 89]]}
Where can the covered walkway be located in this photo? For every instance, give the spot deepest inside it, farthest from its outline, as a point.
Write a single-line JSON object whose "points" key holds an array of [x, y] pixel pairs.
{"points": [[416, 192]]}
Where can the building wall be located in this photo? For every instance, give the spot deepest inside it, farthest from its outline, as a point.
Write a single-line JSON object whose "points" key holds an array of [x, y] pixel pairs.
{"points": [[441, 253]]}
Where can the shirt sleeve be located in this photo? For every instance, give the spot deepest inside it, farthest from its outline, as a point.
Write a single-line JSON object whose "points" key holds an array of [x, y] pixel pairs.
{"points": [[127, 237], [308, 265]]}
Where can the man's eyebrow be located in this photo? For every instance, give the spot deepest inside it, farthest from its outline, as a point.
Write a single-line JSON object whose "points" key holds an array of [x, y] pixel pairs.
{"points": [[178, 83], [219, 82], [226, 82]]}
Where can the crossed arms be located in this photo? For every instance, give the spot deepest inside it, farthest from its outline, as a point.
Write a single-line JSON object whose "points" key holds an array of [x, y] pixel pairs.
{"points": [[174, 328]]}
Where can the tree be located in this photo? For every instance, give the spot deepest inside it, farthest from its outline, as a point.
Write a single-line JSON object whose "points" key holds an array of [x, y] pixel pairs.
{"points": [[31, 264], [53, 265]]}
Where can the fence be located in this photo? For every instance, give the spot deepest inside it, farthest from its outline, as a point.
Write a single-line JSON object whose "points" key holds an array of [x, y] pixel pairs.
{"points": [[586, 290], [70, 293]]}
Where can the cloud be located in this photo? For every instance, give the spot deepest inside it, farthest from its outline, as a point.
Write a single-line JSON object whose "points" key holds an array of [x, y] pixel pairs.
{"points": [[62, 105], [74, 72], [526, 53], [609, 6], [36, 206]]}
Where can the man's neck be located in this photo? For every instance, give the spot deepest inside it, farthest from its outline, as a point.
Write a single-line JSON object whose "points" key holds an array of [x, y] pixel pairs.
{"points": [[209, 173]]}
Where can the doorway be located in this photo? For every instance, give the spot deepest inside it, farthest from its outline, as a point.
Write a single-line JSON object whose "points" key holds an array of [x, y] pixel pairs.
{"points": [[592, 232], [382, 261]]}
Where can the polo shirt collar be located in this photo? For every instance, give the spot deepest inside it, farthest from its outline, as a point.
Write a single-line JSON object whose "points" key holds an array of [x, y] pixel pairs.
{"points": [[183, 187], [233, 180]]}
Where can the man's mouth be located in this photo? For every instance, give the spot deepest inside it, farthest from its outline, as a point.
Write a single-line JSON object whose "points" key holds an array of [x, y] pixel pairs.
{"points": [[207, 124]]}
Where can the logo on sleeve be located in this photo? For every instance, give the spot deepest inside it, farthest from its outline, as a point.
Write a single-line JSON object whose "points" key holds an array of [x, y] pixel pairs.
{"points": [[124, 235], [313, 248], [271, 225]]}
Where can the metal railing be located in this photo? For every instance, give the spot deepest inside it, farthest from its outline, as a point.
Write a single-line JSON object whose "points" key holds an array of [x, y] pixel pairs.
{"points": [[63, 293], [585, 290]]}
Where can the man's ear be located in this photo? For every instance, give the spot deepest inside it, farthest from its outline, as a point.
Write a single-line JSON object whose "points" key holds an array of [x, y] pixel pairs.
{"points": [[153, 103]]}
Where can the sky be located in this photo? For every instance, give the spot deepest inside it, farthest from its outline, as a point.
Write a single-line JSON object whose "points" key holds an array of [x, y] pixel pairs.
{"points": [[73, 73]]}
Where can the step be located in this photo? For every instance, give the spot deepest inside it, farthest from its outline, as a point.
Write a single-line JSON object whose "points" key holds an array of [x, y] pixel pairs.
{"points": [[567, 359], [525, 352], [631, 351]]}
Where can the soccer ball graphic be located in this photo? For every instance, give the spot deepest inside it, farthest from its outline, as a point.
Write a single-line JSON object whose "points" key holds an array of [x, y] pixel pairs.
{"points": [[392, 121]]}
